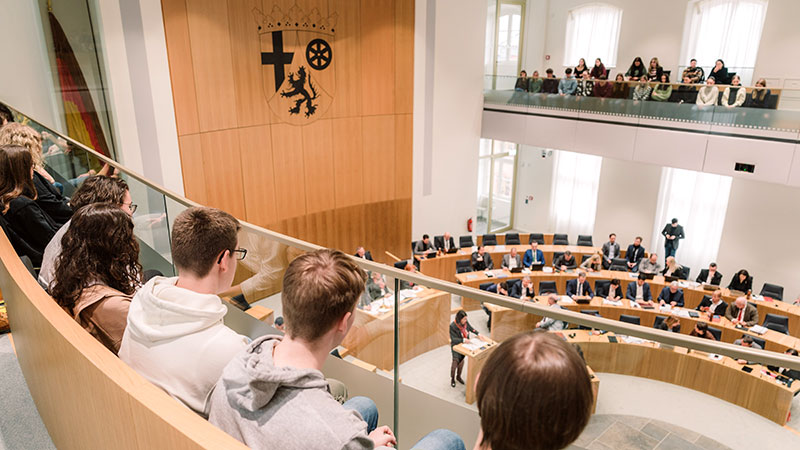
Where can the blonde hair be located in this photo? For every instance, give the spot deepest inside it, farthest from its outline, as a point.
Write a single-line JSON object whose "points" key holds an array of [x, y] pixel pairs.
{"points": [[24, 136]]}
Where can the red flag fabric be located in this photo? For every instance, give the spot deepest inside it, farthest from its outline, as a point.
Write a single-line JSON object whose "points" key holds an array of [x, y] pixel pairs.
{"points": [[82, 121]]}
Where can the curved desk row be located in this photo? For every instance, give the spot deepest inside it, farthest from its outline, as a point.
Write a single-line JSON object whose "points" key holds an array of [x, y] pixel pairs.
{"points": [[720, 376], [692, 296]]}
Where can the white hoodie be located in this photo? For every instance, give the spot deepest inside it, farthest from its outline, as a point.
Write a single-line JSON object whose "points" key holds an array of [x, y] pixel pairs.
{"points": [[176, 339]]}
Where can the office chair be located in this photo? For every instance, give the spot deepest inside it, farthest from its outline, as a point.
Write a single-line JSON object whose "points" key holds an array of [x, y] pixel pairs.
{"points": [[463, 266], [512, 239], [465, 241], [538, 237], [772, 290], [630, 319], [777, 323], [585, 240], [547, 287], [560, 239], [489, 239]]}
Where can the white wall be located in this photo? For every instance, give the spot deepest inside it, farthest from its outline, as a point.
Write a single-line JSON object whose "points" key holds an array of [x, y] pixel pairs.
{"points": [[534, 179], [447, 126]]}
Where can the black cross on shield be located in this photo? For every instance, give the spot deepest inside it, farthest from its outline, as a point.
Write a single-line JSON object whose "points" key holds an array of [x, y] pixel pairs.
{"points": [[277, 58]]}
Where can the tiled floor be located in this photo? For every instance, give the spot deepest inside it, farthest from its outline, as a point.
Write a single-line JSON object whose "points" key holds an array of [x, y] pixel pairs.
{"points": [[607, 431]]}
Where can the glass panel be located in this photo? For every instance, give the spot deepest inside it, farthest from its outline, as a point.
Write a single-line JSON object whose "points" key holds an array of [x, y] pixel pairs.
{"points": [[502, 192], [509, 24], [484, 174]]}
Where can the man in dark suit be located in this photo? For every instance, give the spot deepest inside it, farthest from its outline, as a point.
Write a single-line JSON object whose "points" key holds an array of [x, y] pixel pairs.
{"points": [[523, 290], [361, 253], [639, 291], [710, 275], [533, 255], [481, 260], [579, 287], [713, 305], [610, 250], [634, 254], [565, 261], [791, 373], [424, 246], [673, 234], [671, 295], [444, 243], [742, 313]]}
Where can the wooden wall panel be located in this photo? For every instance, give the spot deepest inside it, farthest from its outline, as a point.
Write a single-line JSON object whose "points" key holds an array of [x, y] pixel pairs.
{"points": [[348, 59], [212, 61], [379, 179], [287, 160], [348, 164], [377, 57], [179, 53], [222, 163], [403, 153], [404, 57], [318, 164], [255, 144], [194, 186], [349, 229]]}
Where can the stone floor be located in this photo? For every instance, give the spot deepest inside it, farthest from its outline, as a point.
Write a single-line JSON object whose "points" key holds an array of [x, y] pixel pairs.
{"points": [[609, 431]]}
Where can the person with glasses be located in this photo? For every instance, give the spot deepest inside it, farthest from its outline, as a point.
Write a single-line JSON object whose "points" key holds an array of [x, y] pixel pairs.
{"points": [[175, 335]]}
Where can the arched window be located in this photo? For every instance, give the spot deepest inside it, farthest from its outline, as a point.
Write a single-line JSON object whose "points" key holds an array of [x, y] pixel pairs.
{"points": [[724, 29], [592, 32]]}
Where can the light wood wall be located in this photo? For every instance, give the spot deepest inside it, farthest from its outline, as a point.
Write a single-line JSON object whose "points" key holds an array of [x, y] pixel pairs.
{"points": [[341, 181]]}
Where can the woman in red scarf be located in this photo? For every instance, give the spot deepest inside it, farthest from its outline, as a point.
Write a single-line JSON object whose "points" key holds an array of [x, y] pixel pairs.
{"points": [[459, 332]]}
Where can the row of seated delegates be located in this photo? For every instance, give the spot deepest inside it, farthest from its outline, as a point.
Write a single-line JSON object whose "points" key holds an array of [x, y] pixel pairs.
{"points": [[441, 244]]}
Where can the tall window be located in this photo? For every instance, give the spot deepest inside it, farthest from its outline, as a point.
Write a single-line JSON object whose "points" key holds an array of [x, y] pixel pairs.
{"points": [[504, 38], [592, 32], [699, 201], [725, 29], [573, 204], [496, 184]]}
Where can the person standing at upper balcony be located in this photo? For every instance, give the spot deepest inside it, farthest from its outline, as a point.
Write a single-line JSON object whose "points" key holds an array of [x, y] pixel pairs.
{"points": [[663, 90], [636, 70], [734, 95], [580, 68], [642, 90], [567, 85], [522, 82], [760, 95], [655, 70], [599, 70], [719, 72], [535, 83], [693, 73], [708, 94], [673, 234]]}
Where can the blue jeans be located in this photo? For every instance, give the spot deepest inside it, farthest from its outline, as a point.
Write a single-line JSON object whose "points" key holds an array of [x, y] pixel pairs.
{"points": [[440, 440], [367, 408], [669, 250]]}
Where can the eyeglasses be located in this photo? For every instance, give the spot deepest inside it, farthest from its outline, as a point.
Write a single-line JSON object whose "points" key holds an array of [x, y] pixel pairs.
{"points": [[240, 254], [132, 206]]}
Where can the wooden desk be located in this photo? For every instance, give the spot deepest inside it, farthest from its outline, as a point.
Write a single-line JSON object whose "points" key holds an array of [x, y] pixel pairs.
{"points": [[475, 361], [423, 323], [723, 377]]}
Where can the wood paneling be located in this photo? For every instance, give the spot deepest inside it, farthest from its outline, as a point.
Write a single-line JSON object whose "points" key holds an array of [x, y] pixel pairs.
{"points": [[179, 53], [348, 164], [403, 153], [287, 160], [255, 144], [377, 57], [348, 59], [378, 136], [404, 57], [222, 163], [318, 163], [192, 168]]}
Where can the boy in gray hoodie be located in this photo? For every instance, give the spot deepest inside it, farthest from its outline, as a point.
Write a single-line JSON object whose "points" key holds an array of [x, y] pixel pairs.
{"points": [[274, 395]]}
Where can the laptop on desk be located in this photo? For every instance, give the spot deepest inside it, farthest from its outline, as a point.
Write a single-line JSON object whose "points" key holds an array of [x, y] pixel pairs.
{"points": [[711, 287], [647, 276], [516, 270], [536, 267], [582, 300], [452, 250], [670, 278]]}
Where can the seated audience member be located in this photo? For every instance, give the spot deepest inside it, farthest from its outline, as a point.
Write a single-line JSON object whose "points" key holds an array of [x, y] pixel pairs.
{"points": [[671, 295], [708, 94], [533, 255], [481, 260], [719, 72], [550, 324], [31, 227], [620, 88], [673, 269], [760, 95], [791, 373], [96, 189], [6, 116], [603, 89], [599, 70], [48, 196], [445, 243], [741, 282], [567, 85], [511, 260], [534, 393], [581, 68], [585, 85], [663, 90], [742, 313], [550, 83], [693, 74], [376, 286], [273, 393], [710, 275], [424, 246], [637, 70], [655, 71], [502, 288], [460, 329], [98, 271], [642, 90], [522, 82], [175, 336], [535, 83], [701, 330], [634, 254], [650, 265], [714, 305], [594, 263], [734, 95], [610, 250], [565, 261], [614, 291], [362, 253], [639, 291], [408, 284], [579, 287], [523, 290], [279, 324], [686, 92], [671, 323], [747, 341]]}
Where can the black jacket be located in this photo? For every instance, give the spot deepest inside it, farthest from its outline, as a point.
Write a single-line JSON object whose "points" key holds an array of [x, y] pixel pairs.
{"points": [[455, 333], [51, 201], [677, 232], [438, 242], [633, 254], [31, 225], [704, 276], [742, 287]]}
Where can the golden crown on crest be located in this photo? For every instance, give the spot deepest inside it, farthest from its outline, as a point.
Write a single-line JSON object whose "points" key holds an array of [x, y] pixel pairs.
{"points": [[294, 19]]}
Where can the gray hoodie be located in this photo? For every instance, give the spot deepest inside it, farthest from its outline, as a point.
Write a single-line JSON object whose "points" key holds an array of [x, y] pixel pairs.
{"points": [[286, 408]]}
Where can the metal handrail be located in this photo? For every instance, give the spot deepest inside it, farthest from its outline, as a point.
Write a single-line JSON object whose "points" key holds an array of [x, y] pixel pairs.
{"points": [[624, 328]]}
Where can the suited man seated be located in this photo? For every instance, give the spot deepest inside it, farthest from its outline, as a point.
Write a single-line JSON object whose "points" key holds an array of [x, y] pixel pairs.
{"points": [[714, 305], [565, 261], [444, 243], [523, 290], [634, 254], [511, 260], [742, 313], [579, 287], [710, 275], [747, 341], [481, 260], [424, 246], [361, 253], [639, 291], [533, 255], [610, 250], [791, 373], [548, 323], [671, 295]]}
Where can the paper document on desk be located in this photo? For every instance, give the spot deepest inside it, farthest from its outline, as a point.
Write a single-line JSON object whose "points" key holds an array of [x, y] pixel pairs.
{"points": [[406, 293], [759, 298], [758, 329], [681, 313], [714, 356], [633, 275], [566, 300], [500, 248], [633, 340], [547, 270], [474, 344], [471, 276], [612, 302], [665, 307]]}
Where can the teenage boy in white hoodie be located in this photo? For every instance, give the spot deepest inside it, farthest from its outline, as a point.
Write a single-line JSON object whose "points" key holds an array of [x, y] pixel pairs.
{"points": [[175, 336]]}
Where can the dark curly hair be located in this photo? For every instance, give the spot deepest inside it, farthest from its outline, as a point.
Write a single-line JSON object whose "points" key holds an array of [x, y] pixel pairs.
{"points": [[98, 248]]}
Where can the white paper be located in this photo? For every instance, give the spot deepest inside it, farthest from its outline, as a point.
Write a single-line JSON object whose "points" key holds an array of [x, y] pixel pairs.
{"points": [[565, 299], [758, 329], [612, 302], [547, 269]]}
